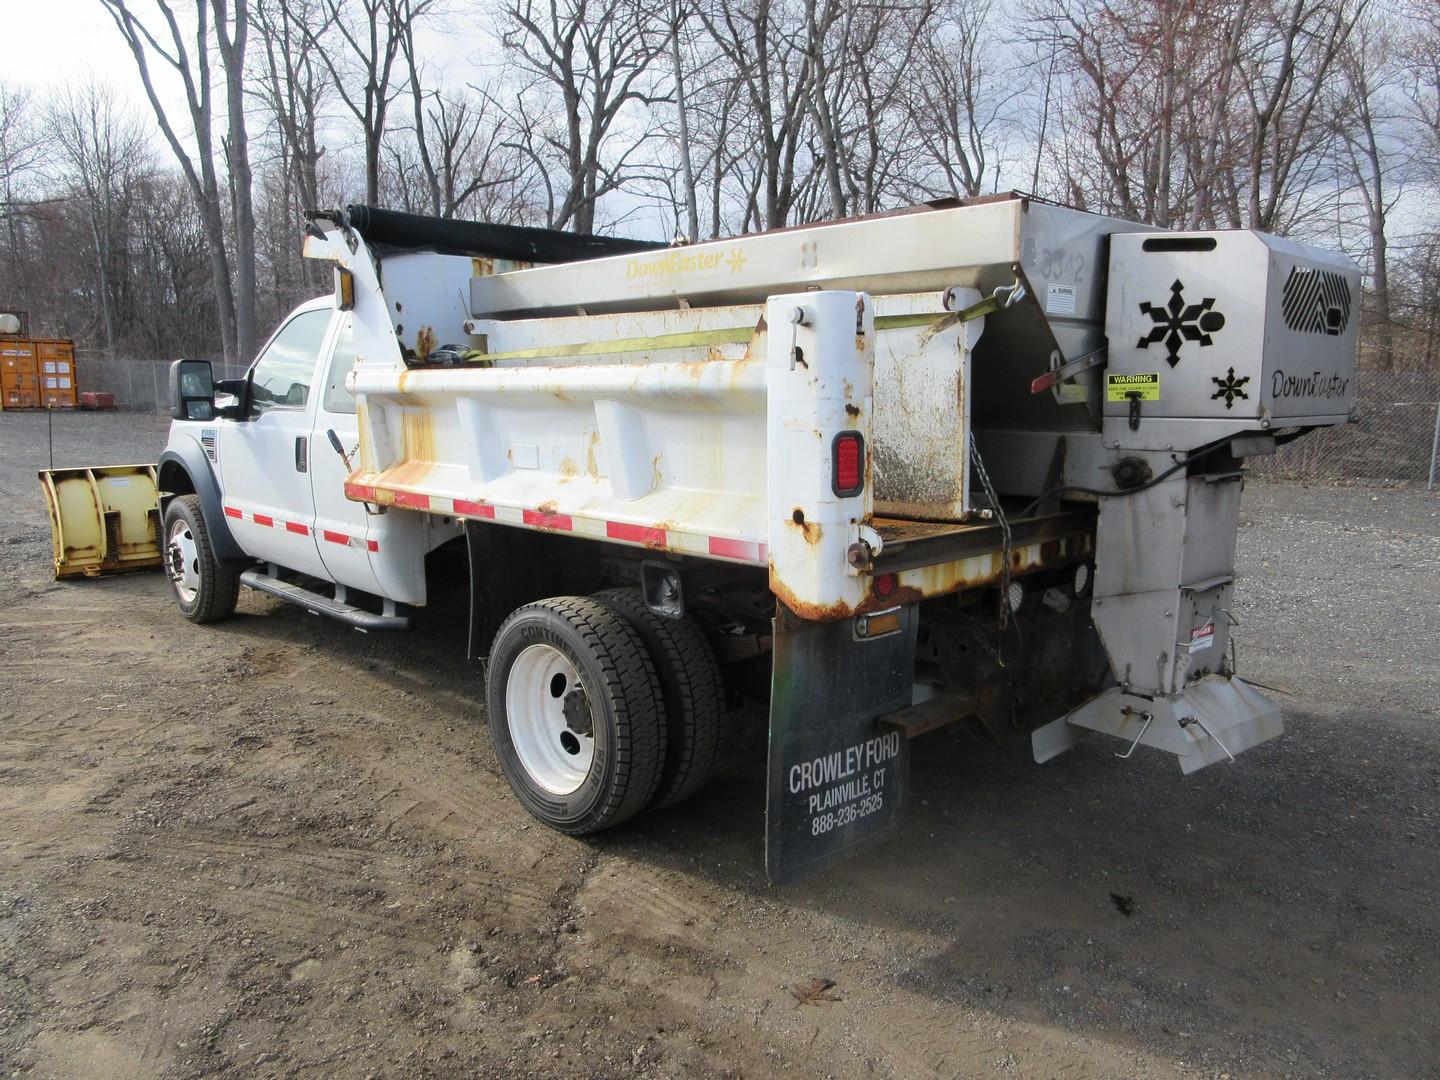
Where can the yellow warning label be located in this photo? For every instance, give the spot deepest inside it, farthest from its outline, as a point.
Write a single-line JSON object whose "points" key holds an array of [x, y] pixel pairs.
{"points": [[1145, 387]]}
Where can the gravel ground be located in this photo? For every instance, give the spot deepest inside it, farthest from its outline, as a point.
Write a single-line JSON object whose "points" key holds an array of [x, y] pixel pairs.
{"points": [[276, 847]]}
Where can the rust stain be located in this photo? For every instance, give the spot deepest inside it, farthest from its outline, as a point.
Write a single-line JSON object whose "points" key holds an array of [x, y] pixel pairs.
{"points": [[425, 342], [418, 435], [927, 582], [808, 611], [592, 468], [550, 507], [568, 470], [902, 595], [811, 530], [852, 411], [407, 474], [362, 417], [655, 475], [656, 543], [945, 322]]}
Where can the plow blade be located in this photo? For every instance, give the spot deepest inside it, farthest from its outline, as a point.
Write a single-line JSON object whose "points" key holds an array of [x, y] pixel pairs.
{"points": [[103, 519]]}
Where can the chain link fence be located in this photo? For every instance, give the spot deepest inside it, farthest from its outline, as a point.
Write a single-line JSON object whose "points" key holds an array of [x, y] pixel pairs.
{"points": [[1394, 439]]}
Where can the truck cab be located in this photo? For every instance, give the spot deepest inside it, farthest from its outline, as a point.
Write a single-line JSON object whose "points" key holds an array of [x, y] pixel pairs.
{"points": [[266, 472]]}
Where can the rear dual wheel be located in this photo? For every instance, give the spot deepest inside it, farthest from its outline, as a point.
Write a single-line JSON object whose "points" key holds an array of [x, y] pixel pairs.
{"points": [[599, 708], [690, 688], [575, 714]]}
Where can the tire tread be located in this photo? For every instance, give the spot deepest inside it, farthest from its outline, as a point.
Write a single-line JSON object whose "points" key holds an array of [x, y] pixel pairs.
{"points": [[219, 583], [633, 689], [692, 691]]}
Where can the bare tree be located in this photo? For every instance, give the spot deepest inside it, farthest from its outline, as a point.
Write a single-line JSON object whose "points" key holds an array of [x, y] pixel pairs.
{"points": [[20, 151], [766, 52], [359, 42], [1287, 73], [590, 60], [1187, 112], [186, 51], [1366, 121], [679, 16], [958, 104], [458, 148], [99, 157], [292, 85]]}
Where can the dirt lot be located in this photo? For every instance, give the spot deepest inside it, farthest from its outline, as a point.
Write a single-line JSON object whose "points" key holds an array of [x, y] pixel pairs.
{"points": [[278, 847]]}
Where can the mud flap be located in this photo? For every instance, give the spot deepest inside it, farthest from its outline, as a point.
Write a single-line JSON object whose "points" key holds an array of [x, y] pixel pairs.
{"points": [[836, 779]]}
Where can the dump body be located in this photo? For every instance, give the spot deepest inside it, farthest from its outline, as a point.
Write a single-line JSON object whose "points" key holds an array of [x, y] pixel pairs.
{"points": [[648, 418]]}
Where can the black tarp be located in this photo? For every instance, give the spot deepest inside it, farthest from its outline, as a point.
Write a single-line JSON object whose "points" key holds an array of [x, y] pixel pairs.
{"points": [[395, 230]]}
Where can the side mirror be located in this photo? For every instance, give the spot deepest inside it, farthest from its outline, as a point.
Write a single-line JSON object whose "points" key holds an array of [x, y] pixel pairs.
{"points": [[192, 390], [239, 391]]}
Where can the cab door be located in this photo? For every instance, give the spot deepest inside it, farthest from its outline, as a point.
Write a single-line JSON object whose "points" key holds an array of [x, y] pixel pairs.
{"points": [[265, 461], [343, 529]]}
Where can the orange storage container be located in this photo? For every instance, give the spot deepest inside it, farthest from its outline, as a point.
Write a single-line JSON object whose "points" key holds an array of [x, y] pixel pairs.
{"points": [[37, 373], [55, 374]]}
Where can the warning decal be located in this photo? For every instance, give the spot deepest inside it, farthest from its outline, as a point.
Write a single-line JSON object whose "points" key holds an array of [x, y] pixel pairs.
{"points": [[1202, 637], [1144, 387], [1060, 300]]}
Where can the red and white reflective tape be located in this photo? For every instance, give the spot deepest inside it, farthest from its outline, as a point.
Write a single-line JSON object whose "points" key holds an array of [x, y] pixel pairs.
{"points": [[299, 528], [348, 541], [547, 519]]}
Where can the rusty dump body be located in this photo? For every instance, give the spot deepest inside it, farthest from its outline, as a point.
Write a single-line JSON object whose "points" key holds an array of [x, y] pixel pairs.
{"points": [[984, 457], [649, 415]]}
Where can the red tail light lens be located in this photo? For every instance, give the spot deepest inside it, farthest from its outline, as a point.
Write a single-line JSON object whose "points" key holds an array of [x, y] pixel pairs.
{"points": [[848, 461]]}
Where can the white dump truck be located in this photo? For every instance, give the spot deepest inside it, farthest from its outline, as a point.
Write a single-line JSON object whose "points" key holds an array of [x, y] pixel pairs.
{"points": [[973, 462]]}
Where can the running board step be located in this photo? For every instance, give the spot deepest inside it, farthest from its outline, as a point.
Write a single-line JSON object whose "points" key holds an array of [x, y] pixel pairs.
{"points": [[313, 602]]}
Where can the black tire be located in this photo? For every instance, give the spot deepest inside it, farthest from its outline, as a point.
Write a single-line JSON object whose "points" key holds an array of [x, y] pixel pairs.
{"points": [[218, 586], [622, 692], [691, 689]]}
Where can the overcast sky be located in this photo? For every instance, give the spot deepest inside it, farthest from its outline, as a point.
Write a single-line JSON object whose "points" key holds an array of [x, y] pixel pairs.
{"points": [[52, 42]]}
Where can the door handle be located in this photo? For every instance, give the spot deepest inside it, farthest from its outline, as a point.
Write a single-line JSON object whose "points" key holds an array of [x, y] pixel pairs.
{"points": [[302, 445]]}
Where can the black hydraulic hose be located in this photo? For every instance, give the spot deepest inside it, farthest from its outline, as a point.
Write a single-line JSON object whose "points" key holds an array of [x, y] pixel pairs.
{"points": [[1158, 478], [1193, 456], [393, 229]]}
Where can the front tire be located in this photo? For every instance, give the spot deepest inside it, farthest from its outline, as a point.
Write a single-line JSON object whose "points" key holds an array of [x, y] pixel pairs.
{"points": [[205, 589], [575, 714]]}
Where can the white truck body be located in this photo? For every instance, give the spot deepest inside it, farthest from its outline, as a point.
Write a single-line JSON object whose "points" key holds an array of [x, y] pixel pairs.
{"points": [[878, 423]]}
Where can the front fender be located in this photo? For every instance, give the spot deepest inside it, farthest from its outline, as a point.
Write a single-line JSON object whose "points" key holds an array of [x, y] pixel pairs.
{"points": [[185, 459]]}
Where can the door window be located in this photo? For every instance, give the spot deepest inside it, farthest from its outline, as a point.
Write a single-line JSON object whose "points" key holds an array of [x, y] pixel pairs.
{"points": [[281, 377], [337, 399]]}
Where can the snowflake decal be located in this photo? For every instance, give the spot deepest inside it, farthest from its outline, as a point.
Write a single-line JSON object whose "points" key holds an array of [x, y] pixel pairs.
{"points": [[1230, 388], [1178, 322]]}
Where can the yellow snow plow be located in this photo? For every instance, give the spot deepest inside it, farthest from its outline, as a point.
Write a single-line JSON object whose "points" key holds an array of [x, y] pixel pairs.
{"points": [[103, 519]]}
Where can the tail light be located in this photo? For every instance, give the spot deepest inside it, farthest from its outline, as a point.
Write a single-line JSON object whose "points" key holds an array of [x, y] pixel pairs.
{"points": [[847, 459]]}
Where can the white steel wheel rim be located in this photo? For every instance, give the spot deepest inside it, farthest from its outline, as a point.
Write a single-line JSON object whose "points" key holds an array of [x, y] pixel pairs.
{"points": [[557, 758], [182, 561]]}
